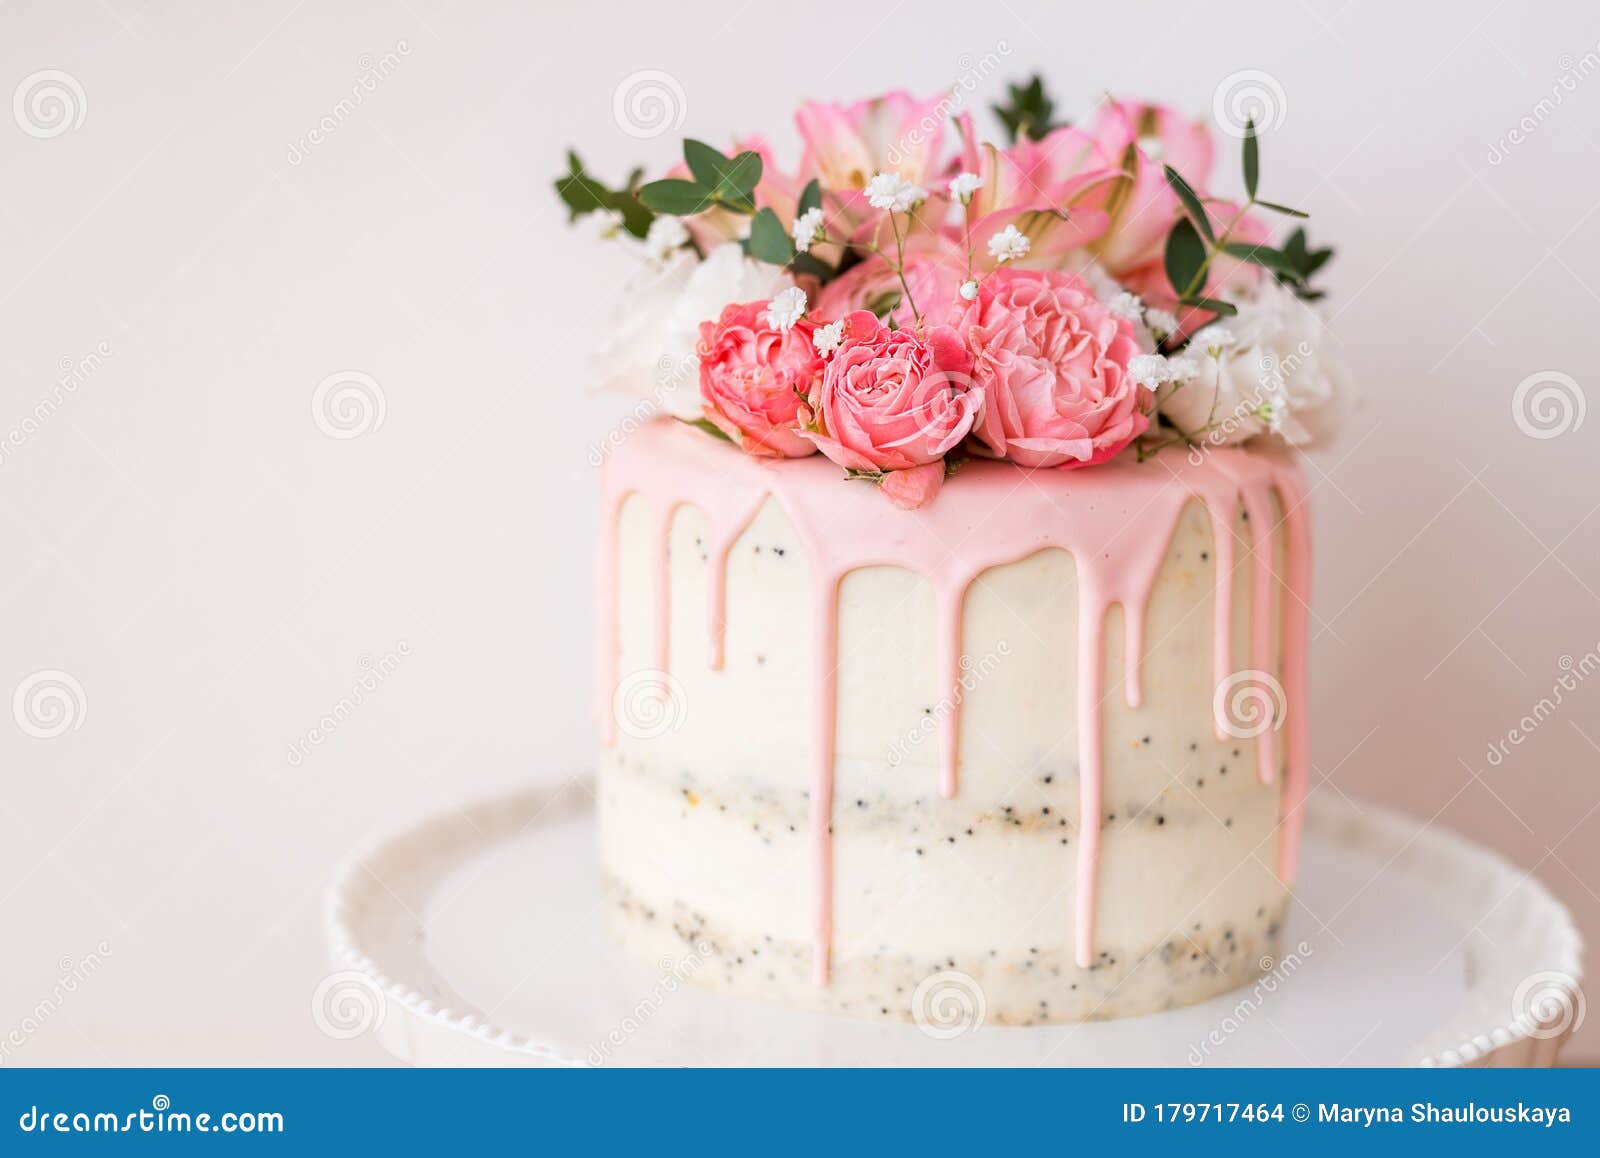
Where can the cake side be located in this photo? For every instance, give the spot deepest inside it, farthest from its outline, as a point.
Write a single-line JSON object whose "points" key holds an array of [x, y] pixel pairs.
{"points": [[737, 810]]}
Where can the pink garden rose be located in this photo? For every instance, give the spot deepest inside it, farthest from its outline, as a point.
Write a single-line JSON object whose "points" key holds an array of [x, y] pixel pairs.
{"points": [[894, 400], [1052, 362], [754, 377], [934, 269]]}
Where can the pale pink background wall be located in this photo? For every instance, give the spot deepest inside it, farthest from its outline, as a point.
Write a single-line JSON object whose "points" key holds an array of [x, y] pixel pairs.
{"points": [[214, 570]]}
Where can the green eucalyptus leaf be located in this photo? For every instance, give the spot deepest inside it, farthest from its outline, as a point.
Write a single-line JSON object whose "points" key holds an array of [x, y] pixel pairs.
{"points": [[1263, 255], [740, 177], [1252, 159], [810, 197], [707, 164], [1284, 209], [679, 198], [769, 240], [708, 426], [1191, 202], [1185, 255], [1214, 305]]}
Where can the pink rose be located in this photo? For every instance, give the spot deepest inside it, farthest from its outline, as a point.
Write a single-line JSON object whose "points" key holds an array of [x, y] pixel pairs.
{"points": [[934, 270], [891, 400], [754, 377], [910, 489], [1053, 365]]}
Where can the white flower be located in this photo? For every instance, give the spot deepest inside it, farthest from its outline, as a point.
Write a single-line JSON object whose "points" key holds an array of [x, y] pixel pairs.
{"points": [[1182, 368], [964, 185], [1162, 323], [604, 224], [786, 308], [893, 192], [969, 289], [650, 340], [1009, 244], [807, 228], [1150, 370], [665, 235], [1126, 305], [1277, 374], [827, 338]]}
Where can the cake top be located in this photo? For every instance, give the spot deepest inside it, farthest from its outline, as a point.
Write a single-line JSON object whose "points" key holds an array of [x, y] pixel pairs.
{"points": [[914, 297]]}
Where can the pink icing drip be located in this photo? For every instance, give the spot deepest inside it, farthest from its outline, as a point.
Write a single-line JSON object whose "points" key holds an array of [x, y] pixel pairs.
{"points": [[1222, 622], [1262, 589], [1103, 517]]}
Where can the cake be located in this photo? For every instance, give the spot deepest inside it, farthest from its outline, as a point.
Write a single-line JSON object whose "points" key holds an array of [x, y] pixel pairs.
{"points": [[952, 653]]}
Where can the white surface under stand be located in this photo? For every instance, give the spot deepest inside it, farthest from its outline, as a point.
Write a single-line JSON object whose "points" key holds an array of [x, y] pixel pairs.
{"points": [[478, 937]]}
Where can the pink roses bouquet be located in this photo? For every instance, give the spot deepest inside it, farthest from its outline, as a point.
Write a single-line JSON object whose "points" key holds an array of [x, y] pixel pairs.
{"points": [[1050, 302]]}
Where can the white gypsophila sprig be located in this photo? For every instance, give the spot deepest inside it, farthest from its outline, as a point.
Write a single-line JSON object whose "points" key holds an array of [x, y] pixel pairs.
{"points": [[1154, 370], [665, 235], [605, 224], [1217, 339], [964, 185], [1127, 305], [828, 338], [786, 308], [969, 289], [893, 192], [1163, 323], [807, 228], [1009, 244]]}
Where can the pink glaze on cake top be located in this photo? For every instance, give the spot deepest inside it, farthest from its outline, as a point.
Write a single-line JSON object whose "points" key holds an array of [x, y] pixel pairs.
{"points": [[1116, 520]]}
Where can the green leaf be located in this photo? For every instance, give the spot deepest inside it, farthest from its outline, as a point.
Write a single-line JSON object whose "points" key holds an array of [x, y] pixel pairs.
{"points": [[810, 197], [1215, 305], [805, 263], [679, 198], [707, 164], [1028, 113], [884, 303], [1252, 159], [708, 426], [1263, 255], [739, 180], [1191, 202], [769, 240], [1276, 208], [1185, 255], [583, 194]]}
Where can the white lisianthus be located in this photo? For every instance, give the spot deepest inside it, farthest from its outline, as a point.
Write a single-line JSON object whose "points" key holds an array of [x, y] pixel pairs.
{"points": [[650, 341], [1268, 370], [807, 228], [786, 308], [1009, 244], [665, 235], [893, 192], [964, 185]]}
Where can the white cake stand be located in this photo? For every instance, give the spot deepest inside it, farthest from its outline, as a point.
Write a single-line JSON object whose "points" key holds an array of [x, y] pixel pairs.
{"points": [[477, 938]]}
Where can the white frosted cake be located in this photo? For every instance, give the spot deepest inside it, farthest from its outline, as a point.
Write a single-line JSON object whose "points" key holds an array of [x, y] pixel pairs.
{"points": [[954, 565]]}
